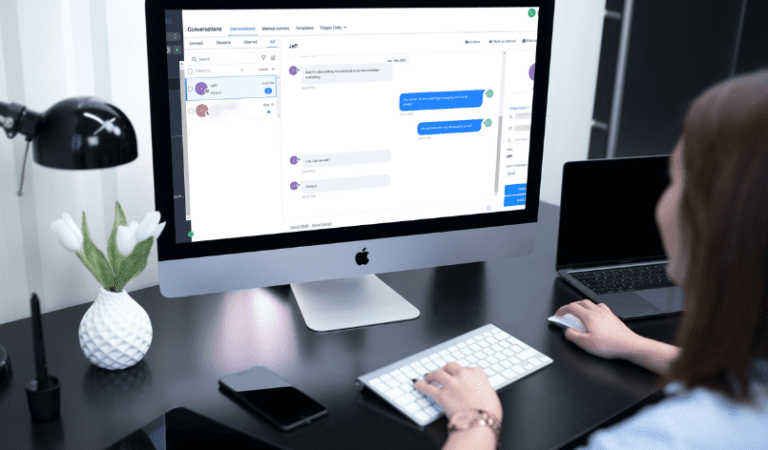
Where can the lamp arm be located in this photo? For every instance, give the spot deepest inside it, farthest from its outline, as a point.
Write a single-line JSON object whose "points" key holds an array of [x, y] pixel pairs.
{"points": [[15, 118]]}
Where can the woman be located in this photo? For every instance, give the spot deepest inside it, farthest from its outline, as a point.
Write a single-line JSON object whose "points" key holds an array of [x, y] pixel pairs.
{"points": [[713, 220]]}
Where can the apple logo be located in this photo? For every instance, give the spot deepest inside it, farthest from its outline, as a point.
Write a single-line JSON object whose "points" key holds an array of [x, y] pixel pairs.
{"points": [[361, 258]]}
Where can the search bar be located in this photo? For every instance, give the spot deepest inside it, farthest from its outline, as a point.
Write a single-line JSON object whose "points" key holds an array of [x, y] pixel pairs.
{"points": [[197, 58]]}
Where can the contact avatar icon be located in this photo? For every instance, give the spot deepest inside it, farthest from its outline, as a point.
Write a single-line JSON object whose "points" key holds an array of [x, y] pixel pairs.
{"points": [[293, 70], [200, 88], [294, 185]]}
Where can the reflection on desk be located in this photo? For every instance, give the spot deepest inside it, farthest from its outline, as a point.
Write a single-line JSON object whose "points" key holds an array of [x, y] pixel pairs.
{"points": [[181, 428]]}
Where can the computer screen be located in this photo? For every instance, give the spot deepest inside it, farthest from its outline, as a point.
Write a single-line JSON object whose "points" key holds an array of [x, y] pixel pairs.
{"points": [[388, 126], [297, 120]]}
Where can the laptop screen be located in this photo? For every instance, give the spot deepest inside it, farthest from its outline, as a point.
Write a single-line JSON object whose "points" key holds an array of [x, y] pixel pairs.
{"points": [[607, 211]]}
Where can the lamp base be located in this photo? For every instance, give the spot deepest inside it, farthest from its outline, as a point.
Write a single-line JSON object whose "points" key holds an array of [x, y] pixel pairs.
{"points": [[5, 366]]}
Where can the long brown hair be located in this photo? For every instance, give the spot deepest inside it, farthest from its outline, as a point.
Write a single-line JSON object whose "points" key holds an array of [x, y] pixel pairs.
{"points": [[724, 217]]}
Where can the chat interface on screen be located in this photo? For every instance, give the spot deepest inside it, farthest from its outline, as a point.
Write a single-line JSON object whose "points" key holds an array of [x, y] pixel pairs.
{"points": [[296, 120]]}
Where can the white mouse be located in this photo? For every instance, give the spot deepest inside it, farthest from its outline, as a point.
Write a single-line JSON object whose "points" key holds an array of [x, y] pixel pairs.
{"points": [[567, 321]]}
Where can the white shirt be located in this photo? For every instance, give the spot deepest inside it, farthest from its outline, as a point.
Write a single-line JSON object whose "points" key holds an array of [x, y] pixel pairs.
{"points": [[699, 418]]}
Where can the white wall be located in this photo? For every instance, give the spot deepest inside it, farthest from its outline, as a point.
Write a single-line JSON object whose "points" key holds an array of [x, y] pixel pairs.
{"points": [[577, 33], [52, 50], [13, 271], [55, 49]]}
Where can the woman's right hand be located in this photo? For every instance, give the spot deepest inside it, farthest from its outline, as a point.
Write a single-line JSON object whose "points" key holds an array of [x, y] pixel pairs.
{"points": [[605, 334], [460, 388]]}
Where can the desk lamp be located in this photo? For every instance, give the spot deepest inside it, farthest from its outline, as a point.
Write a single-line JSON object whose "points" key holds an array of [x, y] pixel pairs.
{"points": [[77, 133]]}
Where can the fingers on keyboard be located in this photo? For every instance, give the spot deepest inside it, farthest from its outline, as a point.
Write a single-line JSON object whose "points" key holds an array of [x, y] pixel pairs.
{"points": [[503, 358]]}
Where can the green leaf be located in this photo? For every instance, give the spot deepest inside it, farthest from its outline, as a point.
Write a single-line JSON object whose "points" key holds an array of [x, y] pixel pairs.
{"points": [[96, 261], [134, 263], [87, 264], [115, 257], [120, 215]]}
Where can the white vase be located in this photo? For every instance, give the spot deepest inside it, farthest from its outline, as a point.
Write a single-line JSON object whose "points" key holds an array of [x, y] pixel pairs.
{"points": [[115, 332]]}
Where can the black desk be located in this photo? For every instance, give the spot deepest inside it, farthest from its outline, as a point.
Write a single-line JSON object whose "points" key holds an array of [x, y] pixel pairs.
{"points": [[198, 340]]}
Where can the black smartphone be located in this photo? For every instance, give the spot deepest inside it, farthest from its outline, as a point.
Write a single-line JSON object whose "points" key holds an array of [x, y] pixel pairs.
{"points": [[271, 396]]}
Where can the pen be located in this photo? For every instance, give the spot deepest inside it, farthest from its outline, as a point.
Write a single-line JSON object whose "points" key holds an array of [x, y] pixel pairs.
{"points": [[37, 336], [43, 391]]}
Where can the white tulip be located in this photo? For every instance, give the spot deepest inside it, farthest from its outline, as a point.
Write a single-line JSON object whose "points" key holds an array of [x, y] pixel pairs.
{"points": [[69, 234], [159, 229], [126, 238], [150, 226]]}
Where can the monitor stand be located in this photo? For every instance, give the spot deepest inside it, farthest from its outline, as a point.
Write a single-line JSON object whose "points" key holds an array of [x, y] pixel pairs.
{"points": [[350, 303]]}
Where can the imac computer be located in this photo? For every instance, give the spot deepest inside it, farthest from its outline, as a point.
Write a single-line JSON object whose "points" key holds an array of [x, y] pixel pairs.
{"points": [[319, 143]]}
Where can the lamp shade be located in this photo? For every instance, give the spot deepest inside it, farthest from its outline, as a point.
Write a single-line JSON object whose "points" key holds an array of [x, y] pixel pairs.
{"points": [[84, 133]]}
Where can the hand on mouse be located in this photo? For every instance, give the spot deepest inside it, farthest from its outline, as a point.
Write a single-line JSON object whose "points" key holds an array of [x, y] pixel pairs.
{"points": [[606, 335], [462, 388]]}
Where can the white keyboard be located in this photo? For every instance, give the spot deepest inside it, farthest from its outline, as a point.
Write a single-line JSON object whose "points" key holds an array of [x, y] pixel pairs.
{"points": [[503, 358]]}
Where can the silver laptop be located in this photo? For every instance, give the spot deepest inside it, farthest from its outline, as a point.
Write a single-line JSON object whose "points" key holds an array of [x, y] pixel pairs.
{"points": [[608, 246]]}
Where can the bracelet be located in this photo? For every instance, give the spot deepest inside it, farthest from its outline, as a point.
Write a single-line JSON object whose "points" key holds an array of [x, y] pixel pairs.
{"points": [[469, 418]]}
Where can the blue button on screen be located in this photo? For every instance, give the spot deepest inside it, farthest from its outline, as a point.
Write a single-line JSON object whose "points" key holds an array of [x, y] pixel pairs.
{"points": [[514, 200], [514, 189], [514, 194]]}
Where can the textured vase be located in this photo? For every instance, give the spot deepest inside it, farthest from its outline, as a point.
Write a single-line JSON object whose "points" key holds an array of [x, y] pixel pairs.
{"points": [[115, 332]]}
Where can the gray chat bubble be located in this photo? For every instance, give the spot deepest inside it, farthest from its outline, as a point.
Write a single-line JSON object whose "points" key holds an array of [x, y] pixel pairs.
{"points": [[345, 184], [345, 159], [346, 73]]}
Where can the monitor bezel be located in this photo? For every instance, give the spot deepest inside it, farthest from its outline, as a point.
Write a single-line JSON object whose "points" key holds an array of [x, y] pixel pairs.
{"points": [[169, 249]]}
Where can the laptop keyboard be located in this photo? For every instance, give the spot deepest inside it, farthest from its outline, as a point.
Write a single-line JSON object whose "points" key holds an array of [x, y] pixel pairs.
{"points": [[625, 279]]}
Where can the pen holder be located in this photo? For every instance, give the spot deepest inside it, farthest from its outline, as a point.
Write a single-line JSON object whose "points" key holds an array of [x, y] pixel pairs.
{"points": [[44, 404]]}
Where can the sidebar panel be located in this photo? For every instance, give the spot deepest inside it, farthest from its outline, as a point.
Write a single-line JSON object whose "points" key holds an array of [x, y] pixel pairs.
{"points": [[175, 53]]}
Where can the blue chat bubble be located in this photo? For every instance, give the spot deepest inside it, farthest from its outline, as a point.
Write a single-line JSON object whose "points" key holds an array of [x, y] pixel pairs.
{"points": [[420, 101], [449, 127]]}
